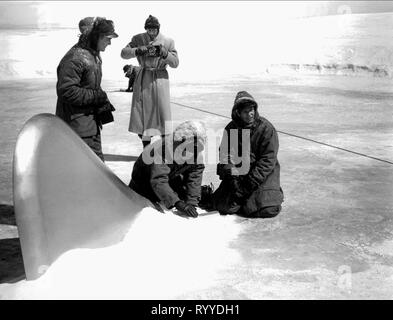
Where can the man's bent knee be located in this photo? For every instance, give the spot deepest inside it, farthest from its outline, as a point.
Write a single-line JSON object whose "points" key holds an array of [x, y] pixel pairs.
{"points": [[266, 212]]}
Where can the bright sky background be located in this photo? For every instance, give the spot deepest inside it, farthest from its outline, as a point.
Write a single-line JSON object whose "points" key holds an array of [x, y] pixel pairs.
{"points": [[224, 36], [66, 13]]}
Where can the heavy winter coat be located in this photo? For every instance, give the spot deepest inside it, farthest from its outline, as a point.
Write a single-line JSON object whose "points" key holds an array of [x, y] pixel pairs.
{"points": [[78, 88], [263, 176], [151, 101], [162, 181]]}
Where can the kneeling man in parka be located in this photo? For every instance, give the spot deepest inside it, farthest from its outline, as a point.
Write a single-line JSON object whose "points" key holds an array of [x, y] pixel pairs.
{"points": [[170, 170], [248, 164]]}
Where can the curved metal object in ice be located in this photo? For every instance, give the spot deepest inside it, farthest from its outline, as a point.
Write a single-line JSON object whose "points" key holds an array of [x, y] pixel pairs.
{"points": [[65, 197]]}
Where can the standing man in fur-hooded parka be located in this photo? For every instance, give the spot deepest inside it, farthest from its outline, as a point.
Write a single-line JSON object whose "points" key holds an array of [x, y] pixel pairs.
{"points": [[150, 107], [248, 167], [170, 169]]}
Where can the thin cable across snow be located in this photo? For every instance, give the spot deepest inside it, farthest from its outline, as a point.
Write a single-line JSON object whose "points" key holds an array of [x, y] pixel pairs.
{"points": [[291, 134]]}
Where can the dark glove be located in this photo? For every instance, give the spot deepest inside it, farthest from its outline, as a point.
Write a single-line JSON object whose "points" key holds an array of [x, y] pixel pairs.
{"points": [[224, 170], [107, 106], [188, 209], [140, 51], [163, 52], [100, 97], [240, 190], [104, 113]]}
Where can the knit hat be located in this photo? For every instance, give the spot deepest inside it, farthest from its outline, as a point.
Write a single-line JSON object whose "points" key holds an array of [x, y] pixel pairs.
{"points": [[243, 99], [152, 22], [243, 96], [105, 27], [190, 129]]}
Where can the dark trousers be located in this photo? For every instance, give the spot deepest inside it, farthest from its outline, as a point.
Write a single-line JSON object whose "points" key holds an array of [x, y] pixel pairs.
{"points": [[225, 202], [94, 142], [266, 212], [177, 184], [145, 140], [131, 80]]}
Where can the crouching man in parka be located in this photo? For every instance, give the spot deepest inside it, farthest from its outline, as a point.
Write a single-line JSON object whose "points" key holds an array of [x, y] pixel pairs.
{"points": [[251, 185], [170, 170]]}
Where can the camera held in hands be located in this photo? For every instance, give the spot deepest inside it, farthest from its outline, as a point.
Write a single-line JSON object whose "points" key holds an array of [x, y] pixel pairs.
{"points": [[153, 51]]}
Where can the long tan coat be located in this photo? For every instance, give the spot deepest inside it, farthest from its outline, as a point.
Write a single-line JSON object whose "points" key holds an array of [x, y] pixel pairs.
{"points": [[150, 107]]}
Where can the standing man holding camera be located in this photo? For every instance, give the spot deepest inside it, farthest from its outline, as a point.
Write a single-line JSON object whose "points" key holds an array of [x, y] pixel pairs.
{"points": [[150, 107], [80, 100]]}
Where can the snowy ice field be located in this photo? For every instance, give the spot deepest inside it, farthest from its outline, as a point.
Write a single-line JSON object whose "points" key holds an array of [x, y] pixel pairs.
{"points": [[303, 56], [326, 78]]}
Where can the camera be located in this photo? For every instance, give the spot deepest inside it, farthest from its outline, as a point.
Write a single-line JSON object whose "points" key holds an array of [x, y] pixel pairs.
{"points": [[153, 51]]}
